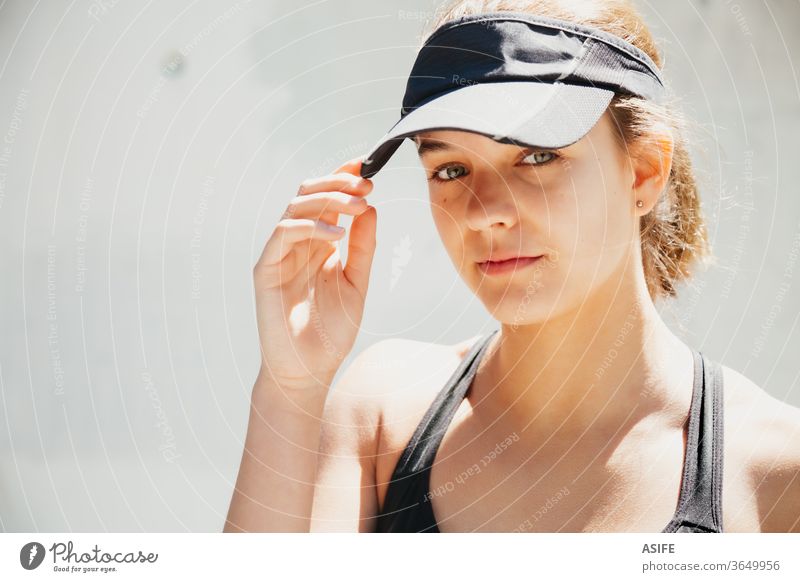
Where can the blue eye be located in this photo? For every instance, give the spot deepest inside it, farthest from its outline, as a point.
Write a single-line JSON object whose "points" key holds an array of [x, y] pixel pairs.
{"points": [[447, 173]]}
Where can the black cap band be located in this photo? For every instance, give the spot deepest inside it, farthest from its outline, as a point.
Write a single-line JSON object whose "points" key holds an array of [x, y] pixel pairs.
{"points": [[510, 46]]}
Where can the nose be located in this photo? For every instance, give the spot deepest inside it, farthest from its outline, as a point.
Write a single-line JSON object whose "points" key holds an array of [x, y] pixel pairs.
{"points": [[491, 202]]}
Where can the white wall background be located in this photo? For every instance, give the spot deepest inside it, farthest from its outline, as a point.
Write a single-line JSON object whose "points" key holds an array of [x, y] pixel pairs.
{"points": [[134, 202]]}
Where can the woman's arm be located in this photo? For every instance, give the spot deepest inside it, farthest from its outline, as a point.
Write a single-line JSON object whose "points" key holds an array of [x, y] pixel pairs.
{"points": [[275, 486], [309, 308], [328, 463], [345, 496]]}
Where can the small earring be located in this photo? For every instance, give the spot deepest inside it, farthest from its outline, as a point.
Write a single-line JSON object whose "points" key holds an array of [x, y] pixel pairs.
{"points": [[639, 203]]}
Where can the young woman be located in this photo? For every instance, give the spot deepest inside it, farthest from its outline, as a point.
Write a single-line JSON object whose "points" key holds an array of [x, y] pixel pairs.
{"points": [[582, 411]]}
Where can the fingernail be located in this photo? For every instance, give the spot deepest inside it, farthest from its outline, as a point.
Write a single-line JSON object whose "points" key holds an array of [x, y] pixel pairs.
{"points": [[333, 227]]}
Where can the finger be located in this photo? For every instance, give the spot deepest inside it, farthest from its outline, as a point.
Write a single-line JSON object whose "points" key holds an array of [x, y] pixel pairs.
{"points": [[290, 231], [361, 249], [315, 205], [339, 182], [352, 166], [287, 269], [319, 256], [343, 182], [301, 264]]}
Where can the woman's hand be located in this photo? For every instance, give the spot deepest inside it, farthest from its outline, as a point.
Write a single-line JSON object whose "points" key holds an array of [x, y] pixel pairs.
{"points": [[309, 306]]}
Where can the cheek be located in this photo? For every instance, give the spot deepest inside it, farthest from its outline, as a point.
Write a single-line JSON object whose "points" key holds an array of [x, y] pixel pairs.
{"points": [[590, 228], [601, 217], [447, 225]]}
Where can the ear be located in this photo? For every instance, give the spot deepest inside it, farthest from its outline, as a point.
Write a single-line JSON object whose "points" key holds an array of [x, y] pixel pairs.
{"points": [[651, 164]]}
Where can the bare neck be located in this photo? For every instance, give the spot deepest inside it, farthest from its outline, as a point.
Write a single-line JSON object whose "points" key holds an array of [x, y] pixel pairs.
{"points": [[608, 364]]}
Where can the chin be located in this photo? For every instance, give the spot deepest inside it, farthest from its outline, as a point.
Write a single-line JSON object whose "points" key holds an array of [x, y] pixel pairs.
{"points": [[532, 311], [517, 299]]}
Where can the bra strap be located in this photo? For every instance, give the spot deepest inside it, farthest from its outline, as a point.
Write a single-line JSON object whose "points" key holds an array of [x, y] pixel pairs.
{"points": [[429, 433], [701, 492]]}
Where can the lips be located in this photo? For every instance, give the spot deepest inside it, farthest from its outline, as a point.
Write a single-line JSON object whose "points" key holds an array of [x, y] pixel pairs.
{"points": [[497, 266], [498, 257]]}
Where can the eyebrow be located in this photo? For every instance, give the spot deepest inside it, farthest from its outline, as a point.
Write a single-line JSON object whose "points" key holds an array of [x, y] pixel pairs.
{"points": [[428, 145]]}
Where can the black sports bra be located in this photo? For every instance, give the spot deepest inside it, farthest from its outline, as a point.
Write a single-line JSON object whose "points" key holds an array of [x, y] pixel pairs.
{"points": [[407, 507]]}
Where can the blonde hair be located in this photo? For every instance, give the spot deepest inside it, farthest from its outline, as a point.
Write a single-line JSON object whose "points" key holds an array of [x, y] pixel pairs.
{"points": [[673, 234]]}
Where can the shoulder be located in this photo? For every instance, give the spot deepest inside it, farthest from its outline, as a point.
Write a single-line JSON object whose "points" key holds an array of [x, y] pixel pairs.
{"points": [[388, 379], [389, 363], [764, 433]]}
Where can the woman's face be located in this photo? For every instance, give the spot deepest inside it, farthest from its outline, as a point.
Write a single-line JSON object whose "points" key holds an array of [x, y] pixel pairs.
{"points": [[574, 206]]}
